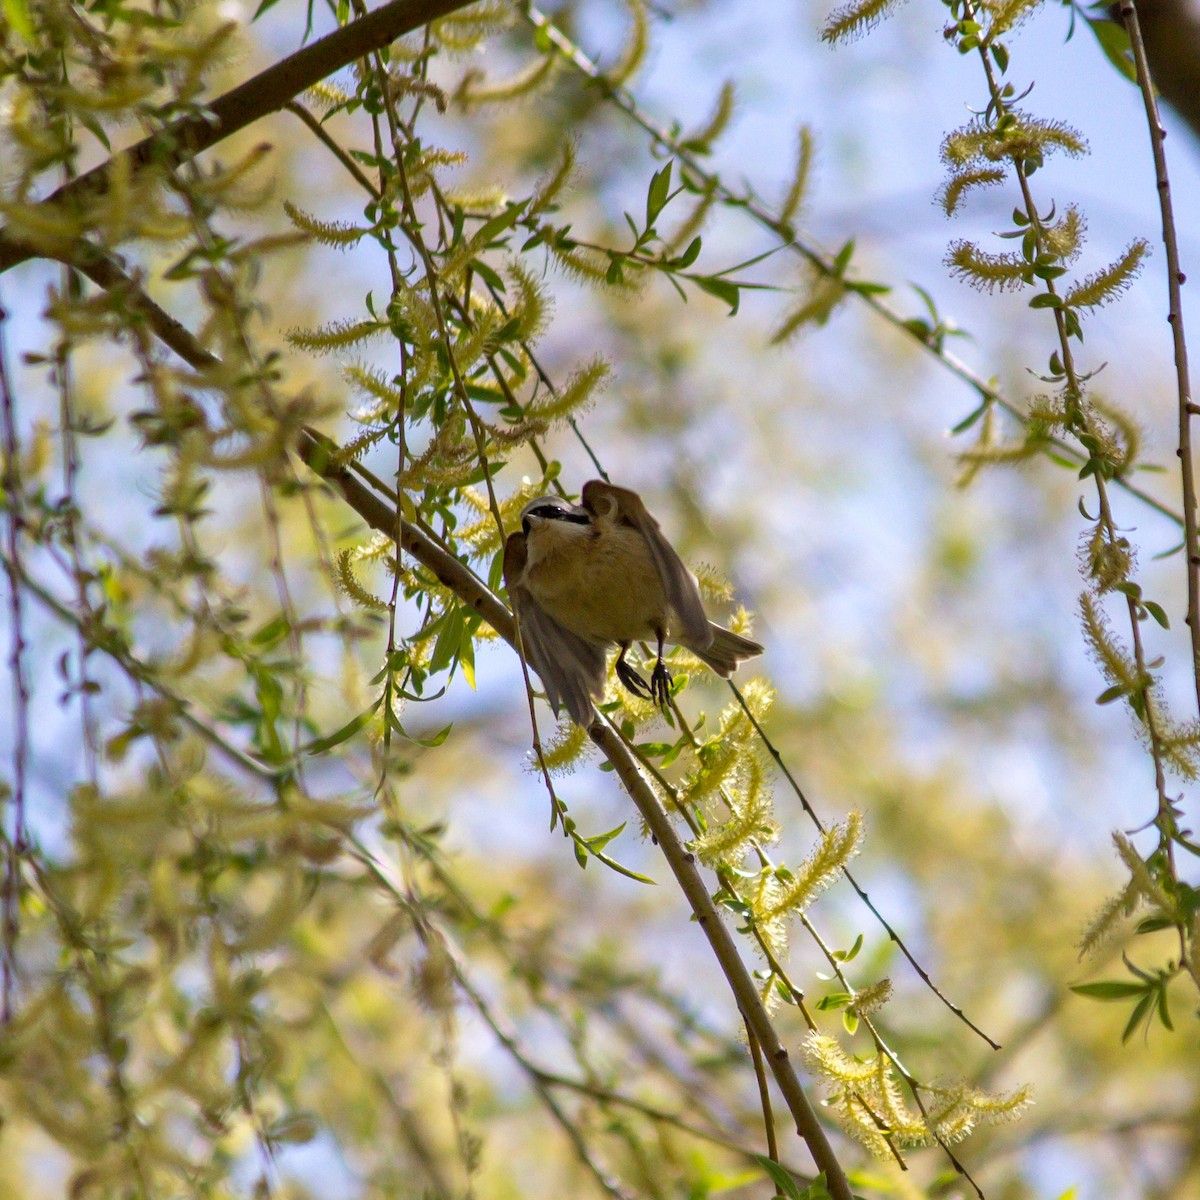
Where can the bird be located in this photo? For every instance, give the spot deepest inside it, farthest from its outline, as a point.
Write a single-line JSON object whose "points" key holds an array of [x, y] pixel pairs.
{"points": [[587, 576]]}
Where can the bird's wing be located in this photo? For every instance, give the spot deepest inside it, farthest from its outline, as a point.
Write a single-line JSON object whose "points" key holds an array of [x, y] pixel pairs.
{"points": [[571, 669], [679, 583]]}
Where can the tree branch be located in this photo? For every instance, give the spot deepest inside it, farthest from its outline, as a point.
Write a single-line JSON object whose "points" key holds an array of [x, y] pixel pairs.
{"points": [[320, 454]]}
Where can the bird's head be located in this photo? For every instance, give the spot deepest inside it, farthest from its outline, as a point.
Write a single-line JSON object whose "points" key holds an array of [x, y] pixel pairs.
{"points": [[537, 514]]}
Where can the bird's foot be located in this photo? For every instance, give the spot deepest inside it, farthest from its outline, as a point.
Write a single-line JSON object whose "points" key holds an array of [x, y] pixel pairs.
{"points": [[660, 685], [632, 680]]}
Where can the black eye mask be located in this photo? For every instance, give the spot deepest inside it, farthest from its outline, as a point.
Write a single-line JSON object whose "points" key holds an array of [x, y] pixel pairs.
{"points": [[554, 512]]}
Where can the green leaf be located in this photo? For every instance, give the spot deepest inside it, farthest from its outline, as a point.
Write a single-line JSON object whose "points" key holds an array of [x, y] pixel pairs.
{"points": [[466, 656], [844, 255], [1109, 989], [262, 8], [1113, 693], [346, 732], [448, 639], [1156, 611], [490, 230], [1163, 1013], [1154, 924], [781, 1178], [866, 288], [272, 633], [1140, 1010], [689, 255], [852, 953], [597, 842], [489, 276], [1046, 300], [613, 865], [834, 1001], [1114, 41], [970, 418], [430, 742], [721, 288], [657, 193]]}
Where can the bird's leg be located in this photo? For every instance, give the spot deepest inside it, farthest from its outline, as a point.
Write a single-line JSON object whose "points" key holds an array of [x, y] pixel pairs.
{"points": [[660, 678], [630, 678]]}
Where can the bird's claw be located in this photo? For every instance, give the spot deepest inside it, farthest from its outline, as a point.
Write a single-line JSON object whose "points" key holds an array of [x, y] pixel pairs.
{"points": [[660, 685], [633, 681]]}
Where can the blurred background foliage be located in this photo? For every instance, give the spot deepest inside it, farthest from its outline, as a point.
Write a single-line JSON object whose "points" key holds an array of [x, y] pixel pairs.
{"points": [[387, 978]]}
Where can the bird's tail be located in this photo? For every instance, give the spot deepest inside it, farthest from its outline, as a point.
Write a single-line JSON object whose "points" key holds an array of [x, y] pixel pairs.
{"points": [[726, 650]]}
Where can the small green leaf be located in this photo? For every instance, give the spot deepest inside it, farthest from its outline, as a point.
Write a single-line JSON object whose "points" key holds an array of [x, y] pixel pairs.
{"points": [[346, 732], [1113, 693], [1114, 41], [1108, 989], [1046, 300], [834, 1001], [1154, 924], [842, 261], [1156, 611], [970, 418], [490, 230], [1139, 1011], [466, 657], [721, 288], [272, 633], [852, 953], [657, 193], [446, 646], [430, 742], [597, 842], [1164, 1014], [781, 1178], [689, 255], [488, 275]]}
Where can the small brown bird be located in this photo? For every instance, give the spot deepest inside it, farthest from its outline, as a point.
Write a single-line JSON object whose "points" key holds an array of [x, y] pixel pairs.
{"points": [[585, 577]]}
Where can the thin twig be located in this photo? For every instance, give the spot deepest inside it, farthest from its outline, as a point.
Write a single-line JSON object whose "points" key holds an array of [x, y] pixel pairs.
{"points": [[1175, 280], [1074, 391], [17, 840], [773, 750], [413, 904], [764, 1092]]}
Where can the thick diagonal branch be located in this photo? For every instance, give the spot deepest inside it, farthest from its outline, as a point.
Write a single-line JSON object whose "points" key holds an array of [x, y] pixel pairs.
{"points": [[320, 455]]}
